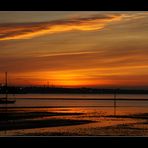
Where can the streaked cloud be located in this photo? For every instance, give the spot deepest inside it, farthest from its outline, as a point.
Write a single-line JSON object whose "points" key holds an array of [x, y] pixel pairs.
{"points": [[30, 30], [89, 49]]}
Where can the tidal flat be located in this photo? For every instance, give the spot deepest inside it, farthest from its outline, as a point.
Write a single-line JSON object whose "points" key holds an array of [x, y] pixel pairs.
{"points": [[71, 122]]}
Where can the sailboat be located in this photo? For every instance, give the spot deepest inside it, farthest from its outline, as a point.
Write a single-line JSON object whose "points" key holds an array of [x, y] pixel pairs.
{"points": [[5, 99]]}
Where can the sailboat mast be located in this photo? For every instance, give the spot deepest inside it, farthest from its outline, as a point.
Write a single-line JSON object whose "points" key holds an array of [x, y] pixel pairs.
{"points": [[6, 85]]}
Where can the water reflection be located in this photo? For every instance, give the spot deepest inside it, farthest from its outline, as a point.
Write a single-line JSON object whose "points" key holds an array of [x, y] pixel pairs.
{"points": [[107, 117]]}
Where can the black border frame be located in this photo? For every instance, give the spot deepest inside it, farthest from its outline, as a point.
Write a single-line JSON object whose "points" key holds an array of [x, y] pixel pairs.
{"points": [[76, 5]]}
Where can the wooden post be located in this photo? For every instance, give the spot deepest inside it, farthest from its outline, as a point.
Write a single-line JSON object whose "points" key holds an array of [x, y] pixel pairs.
{"points": [[115, 95], [6, 91], [6, 86]]}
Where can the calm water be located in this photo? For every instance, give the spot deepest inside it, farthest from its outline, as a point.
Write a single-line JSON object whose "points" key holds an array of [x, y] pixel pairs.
{"points": [[28, 100], [95, 110]]}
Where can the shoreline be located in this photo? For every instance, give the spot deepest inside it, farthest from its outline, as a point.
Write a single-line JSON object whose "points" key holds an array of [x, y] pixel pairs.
{"points": [[32, 124], [21, 107], [101, 99], [71, 123], [26, 120]]}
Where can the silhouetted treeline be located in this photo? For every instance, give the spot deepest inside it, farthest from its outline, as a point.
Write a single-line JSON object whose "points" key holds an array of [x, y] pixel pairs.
{"points": [[43, 90]]}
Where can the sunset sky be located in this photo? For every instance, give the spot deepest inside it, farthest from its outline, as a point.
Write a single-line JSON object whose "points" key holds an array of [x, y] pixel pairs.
{"points": [[74, 49]]}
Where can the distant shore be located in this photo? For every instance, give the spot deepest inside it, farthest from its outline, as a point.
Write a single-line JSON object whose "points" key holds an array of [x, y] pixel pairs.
{"points": [[63, 90], [103, 99]]}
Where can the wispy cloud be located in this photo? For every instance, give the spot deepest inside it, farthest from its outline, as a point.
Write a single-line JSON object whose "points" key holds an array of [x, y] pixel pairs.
{"points": [[67, 53], [29, 30]]}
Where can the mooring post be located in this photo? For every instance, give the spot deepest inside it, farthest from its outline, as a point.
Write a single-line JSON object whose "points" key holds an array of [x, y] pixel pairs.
{"points": [[115, 95]]}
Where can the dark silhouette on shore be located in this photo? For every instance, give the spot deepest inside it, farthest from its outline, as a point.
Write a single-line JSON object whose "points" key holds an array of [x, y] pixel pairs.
{"points": [[60, 90], [5, 89]]}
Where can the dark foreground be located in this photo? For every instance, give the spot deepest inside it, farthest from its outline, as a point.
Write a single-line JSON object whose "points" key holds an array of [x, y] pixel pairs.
{"points": [[71, 122], [12, 120]]}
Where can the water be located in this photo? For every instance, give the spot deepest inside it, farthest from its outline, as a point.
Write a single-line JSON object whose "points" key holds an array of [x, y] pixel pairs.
{"points": [[45, 100], [100, 111]]}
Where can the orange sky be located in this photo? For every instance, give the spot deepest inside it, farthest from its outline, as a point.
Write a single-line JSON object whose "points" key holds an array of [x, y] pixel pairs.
{"points": [[99, 49]]}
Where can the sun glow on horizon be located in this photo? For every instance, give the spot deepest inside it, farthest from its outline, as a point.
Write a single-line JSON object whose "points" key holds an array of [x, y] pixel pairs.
{"points": [[92, 49]]}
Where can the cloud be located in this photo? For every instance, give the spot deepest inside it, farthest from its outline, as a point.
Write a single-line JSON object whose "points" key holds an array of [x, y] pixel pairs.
{"points": [[118, 62], [13, 31]]}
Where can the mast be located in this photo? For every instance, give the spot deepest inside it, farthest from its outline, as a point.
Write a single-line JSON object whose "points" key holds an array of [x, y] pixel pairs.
{"points": [[6, 85]]}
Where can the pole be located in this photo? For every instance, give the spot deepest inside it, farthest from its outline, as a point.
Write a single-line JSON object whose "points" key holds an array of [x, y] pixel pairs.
{"points": [[6, 96], [115, 95], [6, 86]]}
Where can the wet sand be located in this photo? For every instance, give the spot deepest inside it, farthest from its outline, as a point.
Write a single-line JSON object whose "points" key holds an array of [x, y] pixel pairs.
{"points": [[11, 125], [26, 120], [137, 128], [6, 116], [72, 122]]}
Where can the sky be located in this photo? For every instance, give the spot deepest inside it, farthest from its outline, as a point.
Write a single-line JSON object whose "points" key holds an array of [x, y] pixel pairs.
{"points": [[74, 48]]}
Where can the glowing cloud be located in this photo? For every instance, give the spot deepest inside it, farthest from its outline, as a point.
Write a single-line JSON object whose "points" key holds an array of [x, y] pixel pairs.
{"points": [[30, 30]]}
